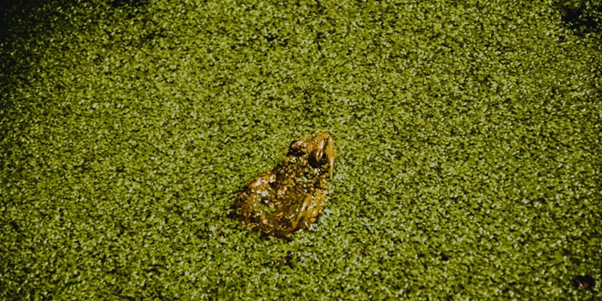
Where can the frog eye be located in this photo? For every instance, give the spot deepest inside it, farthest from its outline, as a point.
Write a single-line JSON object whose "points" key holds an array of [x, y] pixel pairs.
{"points": [[318, 159], [323, 158]]}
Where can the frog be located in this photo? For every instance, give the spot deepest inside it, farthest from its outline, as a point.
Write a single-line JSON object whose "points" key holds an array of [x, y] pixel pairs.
{"points": [[289, 197]]}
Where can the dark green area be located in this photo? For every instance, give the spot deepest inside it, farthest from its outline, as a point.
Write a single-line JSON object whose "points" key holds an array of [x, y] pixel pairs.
{"points": [[468, 137]]}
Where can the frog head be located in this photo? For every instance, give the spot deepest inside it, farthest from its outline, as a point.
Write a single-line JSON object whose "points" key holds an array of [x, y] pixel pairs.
{"points": [[319, 152]]}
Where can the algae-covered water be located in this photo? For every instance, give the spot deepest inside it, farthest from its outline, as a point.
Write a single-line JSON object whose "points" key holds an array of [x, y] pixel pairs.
{"points": [[467, 132]]}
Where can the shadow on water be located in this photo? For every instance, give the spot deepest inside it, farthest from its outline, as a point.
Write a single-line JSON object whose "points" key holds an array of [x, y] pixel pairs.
{"points": [[19, 18], [131, 3], [23, 21], [582, 18], [16, 16]]}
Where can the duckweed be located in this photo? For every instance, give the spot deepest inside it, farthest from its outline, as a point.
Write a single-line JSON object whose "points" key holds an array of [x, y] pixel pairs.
{"points": [[468, 147]]}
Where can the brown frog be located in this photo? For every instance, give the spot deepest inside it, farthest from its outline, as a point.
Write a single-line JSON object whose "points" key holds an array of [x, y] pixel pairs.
{"points": [[290, 196]]}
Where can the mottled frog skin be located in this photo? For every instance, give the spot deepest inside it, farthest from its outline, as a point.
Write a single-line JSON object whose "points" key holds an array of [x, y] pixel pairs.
{"points": [[289, 197]]}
